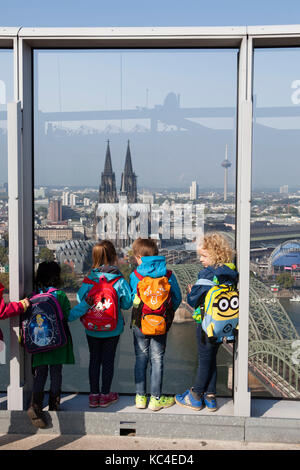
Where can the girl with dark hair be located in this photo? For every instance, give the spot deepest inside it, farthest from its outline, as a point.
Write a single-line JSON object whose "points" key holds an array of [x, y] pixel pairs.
{"points": [[47, 277], [103, 344]]}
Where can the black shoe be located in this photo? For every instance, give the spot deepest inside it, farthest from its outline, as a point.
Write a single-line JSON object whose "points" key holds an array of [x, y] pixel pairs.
{"points": [[35, 411], [54, 402]]}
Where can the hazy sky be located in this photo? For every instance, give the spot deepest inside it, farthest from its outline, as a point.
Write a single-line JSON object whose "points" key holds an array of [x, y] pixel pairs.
{"points": [[131, 80], [78, 13]]}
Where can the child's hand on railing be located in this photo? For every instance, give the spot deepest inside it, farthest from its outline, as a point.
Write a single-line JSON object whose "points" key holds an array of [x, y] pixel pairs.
{"points": [[188, 288]]}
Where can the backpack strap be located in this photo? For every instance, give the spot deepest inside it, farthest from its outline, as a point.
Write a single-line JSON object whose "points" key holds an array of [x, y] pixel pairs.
{"points": [[51, 290], [113, 281], [87, 280], [138, 275]]}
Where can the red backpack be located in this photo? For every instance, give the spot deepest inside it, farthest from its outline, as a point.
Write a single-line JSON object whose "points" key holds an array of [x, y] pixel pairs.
{"points": [[103, 315]]}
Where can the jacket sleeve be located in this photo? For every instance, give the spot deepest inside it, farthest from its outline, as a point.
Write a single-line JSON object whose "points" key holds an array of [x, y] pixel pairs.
{"points": [[175, 292], [66, 307], [82, 307], [133, 281], [197, 294], [124, 293], [11, 309], [83, 291], [78, 311]]}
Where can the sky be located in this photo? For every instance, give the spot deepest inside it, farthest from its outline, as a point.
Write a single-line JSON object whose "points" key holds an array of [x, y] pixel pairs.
{"points": [[137, 79], [97, 13]]}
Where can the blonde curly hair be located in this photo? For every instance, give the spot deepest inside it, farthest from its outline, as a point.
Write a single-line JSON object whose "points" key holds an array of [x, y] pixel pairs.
{"points": [[218, 247]]}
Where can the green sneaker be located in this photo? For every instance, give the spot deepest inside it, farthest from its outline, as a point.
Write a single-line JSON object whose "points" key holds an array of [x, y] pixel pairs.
{"points": [[140, 401], [157, 404]]}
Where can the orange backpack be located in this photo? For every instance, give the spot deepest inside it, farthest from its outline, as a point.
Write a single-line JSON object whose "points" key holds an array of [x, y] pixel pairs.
{"points": [[152, 308]]}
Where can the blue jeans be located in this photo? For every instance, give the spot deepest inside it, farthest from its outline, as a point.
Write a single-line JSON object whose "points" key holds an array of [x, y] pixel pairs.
{"points": [[206, 378], [149, 348]]}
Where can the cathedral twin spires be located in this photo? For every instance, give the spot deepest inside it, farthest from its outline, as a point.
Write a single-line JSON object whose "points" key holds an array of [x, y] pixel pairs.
{"points": [[107, 190]]}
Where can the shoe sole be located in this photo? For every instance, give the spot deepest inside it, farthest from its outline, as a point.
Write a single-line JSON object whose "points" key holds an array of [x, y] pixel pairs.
{"points": [[186, 405], [211, 409], [160, 407], [37, 422], [141, 407], [110, 403]]}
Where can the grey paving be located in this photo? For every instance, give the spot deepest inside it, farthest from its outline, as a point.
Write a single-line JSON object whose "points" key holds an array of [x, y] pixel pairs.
{"points": [[274, 421]]}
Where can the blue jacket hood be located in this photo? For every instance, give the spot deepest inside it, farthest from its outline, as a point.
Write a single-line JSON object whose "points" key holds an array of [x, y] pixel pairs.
{"points": [[109, 272], [226, 273], [153, 266]]}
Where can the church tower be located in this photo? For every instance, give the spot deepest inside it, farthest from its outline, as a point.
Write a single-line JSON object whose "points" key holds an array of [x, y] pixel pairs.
{"points": [[107, 190], [128, 180]]}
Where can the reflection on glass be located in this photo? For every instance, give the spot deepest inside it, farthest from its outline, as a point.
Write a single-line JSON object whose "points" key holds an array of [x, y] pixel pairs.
{"points": [[6, 95], [128, 144], [274, 342]]}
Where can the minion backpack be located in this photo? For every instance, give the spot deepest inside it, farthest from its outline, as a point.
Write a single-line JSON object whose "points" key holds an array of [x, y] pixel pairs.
{"points": [[221, 312]]}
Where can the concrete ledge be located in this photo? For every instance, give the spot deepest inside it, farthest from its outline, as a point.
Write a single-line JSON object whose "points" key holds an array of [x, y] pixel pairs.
{"points": [[142, 424], [121, 418], [272, 430]]}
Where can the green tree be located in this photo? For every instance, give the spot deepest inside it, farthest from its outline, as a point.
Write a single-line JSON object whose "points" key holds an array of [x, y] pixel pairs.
{"points": [[285, 280], [68, 278], [126, 269], [4, 279], [46, 254], [3, 255]]}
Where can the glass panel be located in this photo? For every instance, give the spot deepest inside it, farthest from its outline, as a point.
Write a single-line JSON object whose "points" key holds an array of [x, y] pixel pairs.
{"points": [[274, 343], [152, 126], [6, 95]]}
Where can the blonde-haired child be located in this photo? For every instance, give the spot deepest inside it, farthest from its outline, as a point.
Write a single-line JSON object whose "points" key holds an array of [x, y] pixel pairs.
{"points": [[216, 256]]}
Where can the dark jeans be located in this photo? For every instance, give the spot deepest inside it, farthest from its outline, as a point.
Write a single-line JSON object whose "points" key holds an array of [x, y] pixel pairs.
{"points": [[206, 378], [149, 348], [102, 353], [40, 378]]}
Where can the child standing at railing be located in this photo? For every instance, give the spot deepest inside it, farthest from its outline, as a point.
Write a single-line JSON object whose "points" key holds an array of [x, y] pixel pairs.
{"points": [[103, 336]]}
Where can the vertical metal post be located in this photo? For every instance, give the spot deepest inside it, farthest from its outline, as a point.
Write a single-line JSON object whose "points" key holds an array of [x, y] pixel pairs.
{"points": [[16, 274], [242, 397], [25, 88]]}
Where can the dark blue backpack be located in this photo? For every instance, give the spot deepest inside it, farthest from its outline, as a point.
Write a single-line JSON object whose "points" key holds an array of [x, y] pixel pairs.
{"points": [[43, 326]]}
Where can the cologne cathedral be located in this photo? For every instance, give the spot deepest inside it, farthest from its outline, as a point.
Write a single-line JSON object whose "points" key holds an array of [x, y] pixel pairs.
{"points": [[108, 194], [108, 190]]}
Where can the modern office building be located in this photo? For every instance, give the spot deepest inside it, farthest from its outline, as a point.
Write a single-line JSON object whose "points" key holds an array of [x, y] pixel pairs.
{"points": [[194, 191], [55, 211]]}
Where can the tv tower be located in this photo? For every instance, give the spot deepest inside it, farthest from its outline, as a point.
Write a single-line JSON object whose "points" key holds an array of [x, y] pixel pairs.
{"points": [[225, 164]]}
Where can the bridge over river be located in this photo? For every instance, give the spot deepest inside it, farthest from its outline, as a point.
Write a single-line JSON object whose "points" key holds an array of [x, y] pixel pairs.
{"points": [[272, 336]]}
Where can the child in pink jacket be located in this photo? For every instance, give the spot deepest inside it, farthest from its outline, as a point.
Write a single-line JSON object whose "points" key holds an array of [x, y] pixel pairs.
{"points": [[11, 309]]}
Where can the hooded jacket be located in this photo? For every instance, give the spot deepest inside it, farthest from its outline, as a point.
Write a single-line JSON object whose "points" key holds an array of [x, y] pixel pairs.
{"points": [[155, 266], [124, 294], [224, 274]]}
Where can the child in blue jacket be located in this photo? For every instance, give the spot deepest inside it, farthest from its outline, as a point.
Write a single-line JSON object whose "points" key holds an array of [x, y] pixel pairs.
{"points": [[216, 256], [103, 344], [151, 347]]}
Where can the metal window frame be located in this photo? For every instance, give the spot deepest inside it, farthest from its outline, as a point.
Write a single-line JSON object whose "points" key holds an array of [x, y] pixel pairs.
{"points": [[24, 40]]}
